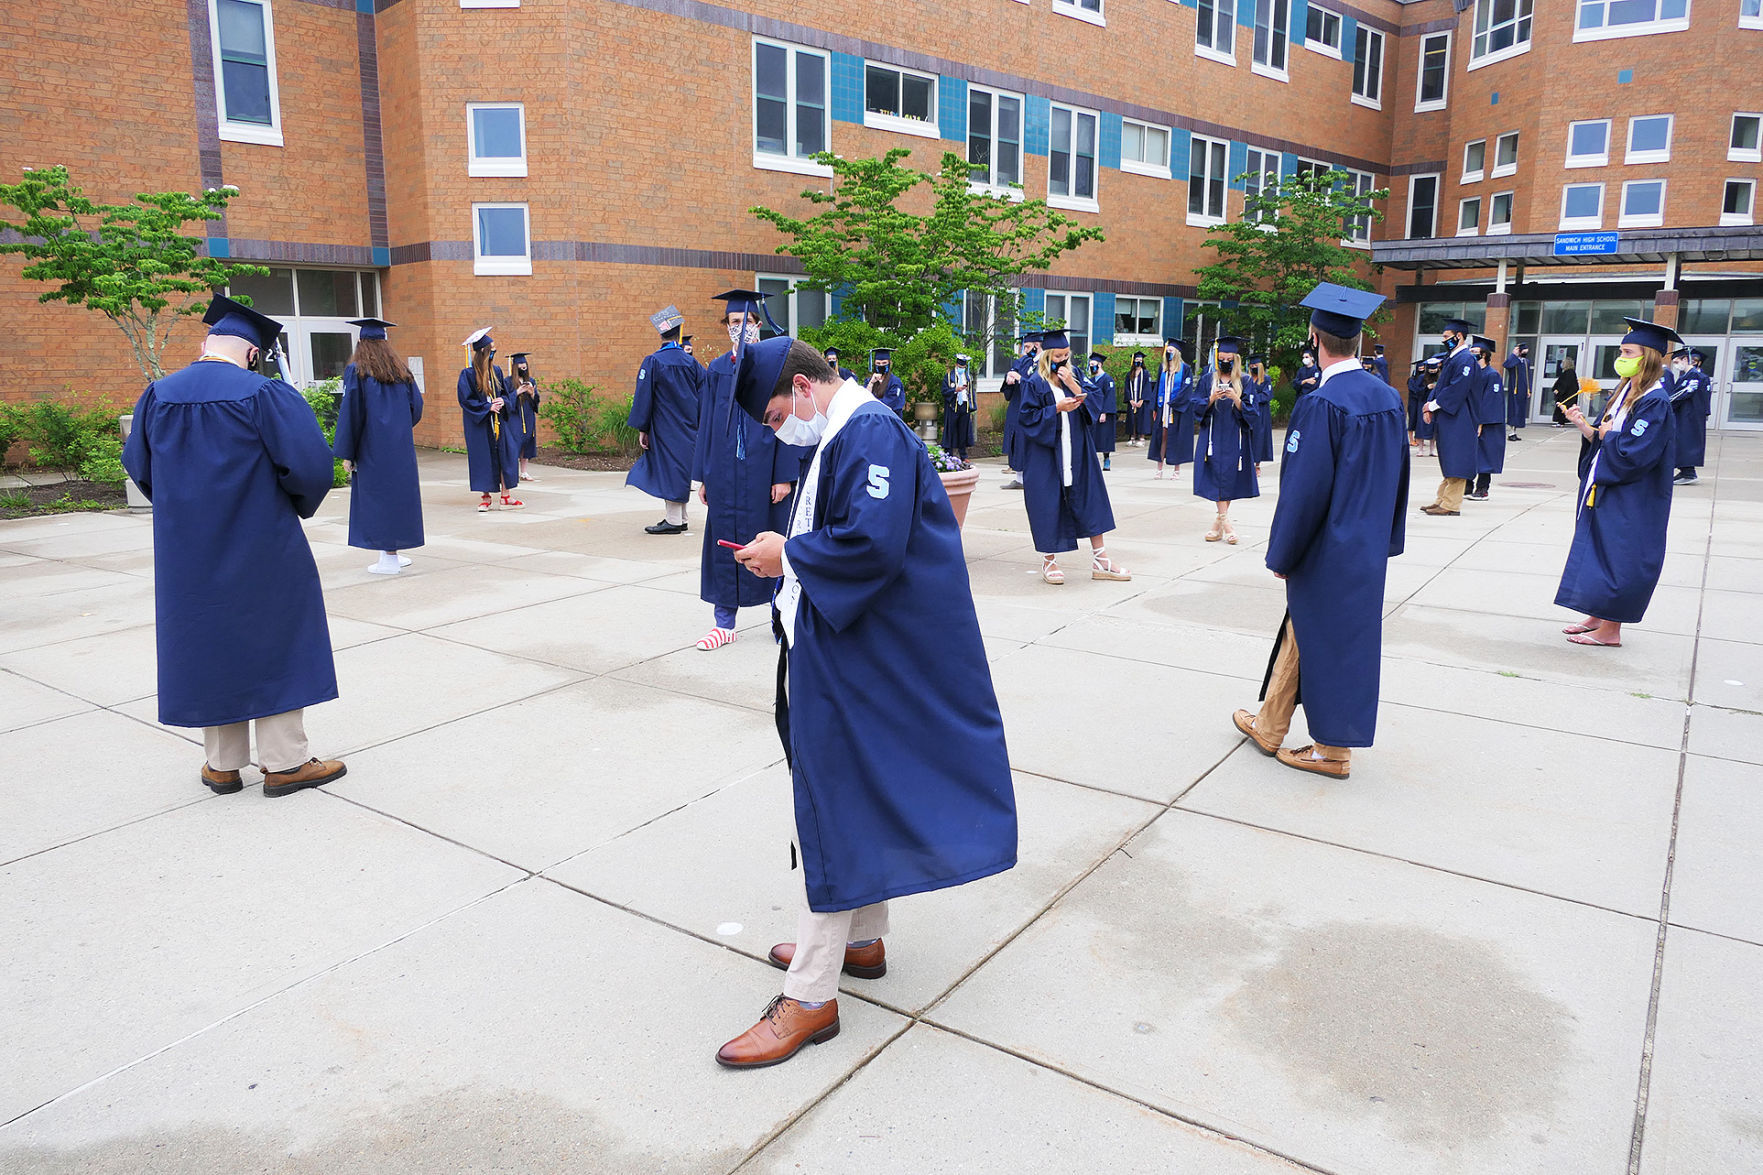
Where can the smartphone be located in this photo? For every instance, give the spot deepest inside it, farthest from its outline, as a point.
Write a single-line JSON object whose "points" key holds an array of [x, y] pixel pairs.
{"points": [[729, 545]]}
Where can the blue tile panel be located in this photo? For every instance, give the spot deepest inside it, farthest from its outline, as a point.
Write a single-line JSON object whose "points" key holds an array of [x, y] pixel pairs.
{"points": [[1102, 320], [1623, 77], [1288, 165], [1300, 18], [1246, 13], [847, 88], [382, 255], [1236, 163], [1034, 301], [1179, 144], [1350, 39], [219, 247], [1172, 323], [1109, 146], [1037, 118], [952, 109]]}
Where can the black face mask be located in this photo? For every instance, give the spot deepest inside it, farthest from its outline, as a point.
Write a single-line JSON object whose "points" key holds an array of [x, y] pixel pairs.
{"points": [[1225, 365], [1054, 365]]}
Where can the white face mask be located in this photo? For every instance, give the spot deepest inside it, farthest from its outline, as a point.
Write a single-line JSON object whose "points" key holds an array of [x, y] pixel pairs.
{"points": [[734, 332], [806, 433], [1680, 367]]}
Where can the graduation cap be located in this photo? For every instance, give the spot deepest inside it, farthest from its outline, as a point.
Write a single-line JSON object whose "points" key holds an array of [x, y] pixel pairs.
{"points": [[1098, 356], [1340, 311], [832, 354], [372, 328], [668, 318], [1138, 356], [1256, 359], [1698, 356], [1461, 325], [479, 340], [1229, 344], [1033, 336], [1485, 344], [518, 357], [1053, 340], [1182, 348], [1377, 347], [881, 355], [1436, 359], [227, 317], [960, 358], [686, 340], [1650, 334], [757, 366]]}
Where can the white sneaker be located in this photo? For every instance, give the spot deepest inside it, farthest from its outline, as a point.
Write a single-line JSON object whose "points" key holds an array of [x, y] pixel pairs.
{"points": [[403, 562], [384, 568]]}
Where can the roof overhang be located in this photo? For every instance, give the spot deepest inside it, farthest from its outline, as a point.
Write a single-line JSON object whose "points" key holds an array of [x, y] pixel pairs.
{"points": [[1647, 245]]}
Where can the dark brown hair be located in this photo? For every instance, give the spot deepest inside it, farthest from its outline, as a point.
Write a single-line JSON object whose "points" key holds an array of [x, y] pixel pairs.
{"points": [[1334, 344], [483, 373], [376, 359], [802, 360]]}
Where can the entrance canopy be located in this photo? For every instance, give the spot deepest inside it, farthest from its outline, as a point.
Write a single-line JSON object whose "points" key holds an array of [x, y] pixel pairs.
{"points": [[1618, 247]]}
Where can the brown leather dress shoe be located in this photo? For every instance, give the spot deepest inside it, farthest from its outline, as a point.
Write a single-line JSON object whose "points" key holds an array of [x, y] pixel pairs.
{"points": [[221, 783], [1438, 511], [780, 1034], [312, 773], [1300, 758], [1245, 722], [870, 962]]}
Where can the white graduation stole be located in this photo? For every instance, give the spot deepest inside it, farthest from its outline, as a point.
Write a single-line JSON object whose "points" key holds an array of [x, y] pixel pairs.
{"points": [[849, 398]]}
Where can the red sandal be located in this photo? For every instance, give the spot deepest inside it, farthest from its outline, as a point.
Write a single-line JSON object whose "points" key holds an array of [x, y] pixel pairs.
{"points": [[509, 503]]}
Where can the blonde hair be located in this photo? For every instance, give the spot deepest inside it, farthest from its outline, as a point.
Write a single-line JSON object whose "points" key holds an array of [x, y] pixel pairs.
{"points": [[1234, 380], [1632, 389]]}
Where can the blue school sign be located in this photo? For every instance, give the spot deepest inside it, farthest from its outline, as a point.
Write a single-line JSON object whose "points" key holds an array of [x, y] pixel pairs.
{"points": [[1584, 244]]}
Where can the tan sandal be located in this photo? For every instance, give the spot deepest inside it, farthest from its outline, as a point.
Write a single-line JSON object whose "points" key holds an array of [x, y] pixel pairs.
{"points": [[1214, 534], [1050, 572], [1230, 535]]}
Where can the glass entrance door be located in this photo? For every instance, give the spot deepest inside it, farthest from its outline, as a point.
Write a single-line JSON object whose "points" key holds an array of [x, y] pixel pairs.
{"points": [[1558, 355], [1738, 399]]}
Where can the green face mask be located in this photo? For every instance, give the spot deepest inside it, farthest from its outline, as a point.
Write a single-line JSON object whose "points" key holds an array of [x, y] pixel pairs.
{"points": [[1628, 366]]}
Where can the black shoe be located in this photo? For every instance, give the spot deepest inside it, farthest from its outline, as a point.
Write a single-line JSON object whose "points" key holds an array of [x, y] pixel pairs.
{"points": [[666, 527], [1681, 480], [1515, 437]]}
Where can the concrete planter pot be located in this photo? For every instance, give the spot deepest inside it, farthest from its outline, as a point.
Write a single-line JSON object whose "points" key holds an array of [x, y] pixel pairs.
{"points": [[960, 486]]}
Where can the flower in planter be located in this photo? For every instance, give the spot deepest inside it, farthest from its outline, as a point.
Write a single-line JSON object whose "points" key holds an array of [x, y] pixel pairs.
{"points": [[944, 461]]}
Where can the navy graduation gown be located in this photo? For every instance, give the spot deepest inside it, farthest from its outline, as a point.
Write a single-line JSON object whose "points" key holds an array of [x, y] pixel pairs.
{"points": [[1382, 366], [1058, 514], [1107, 405], [1517, 391], [737, 460], [1141, 385], [1489, 414], [528, 404], [1418, 394], [1224, 452], [1305, 379], [374, 426], [1261, 426], [893, 392], [1691, 401], [885, 618], [1624, 505], [669, 386], [1454, 422], [1180, 433], [1343, 496], [492, 448], [233, 461], [1022, 365], [958, 417]]}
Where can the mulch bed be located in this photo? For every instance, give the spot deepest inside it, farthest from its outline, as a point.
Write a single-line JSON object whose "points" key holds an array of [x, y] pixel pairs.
{"points": [[63, 497], [592, 462]]}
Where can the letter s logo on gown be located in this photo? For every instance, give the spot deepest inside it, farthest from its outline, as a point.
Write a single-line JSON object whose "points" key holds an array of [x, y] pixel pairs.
{"points": [[1292, 441], [1640, 428], [878, 481]]}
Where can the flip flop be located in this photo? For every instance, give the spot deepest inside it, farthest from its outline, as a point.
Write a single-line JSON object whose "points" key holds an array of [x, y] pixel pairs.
{"points": [[1576, 629], [1582, 639]]}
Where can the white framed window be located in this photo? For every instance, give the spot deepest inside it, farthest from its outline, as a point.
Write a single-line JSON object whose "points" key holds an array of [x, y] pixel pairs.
{"points": [[1751, 15], [1273, 20], [1073, 310], [1502, 30], [1582, 206], [994, 140], [1215, 30], [1469, 216], [1643, 204], [792, 306], [1588, 143], [1089, 10], [1144, 148], [1505, 154], [496, 134], [1356, 230], [1649, 139], [790, 124], [1435, 72], [1475, 161], [500, 240], [1138, 321], [985, 317], [1739, 202], [1207, 181], [1500, 214], [1602, 19], [1071, 159], [1322, 31], [1261, 174], [1368, 68], [896, 99], [1744, 145], [246, 95], [1423, 206]]}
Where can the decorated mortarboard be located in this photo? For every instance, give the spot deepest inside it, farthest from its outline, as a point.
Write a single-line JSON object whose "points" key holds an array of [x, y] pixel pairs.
{"points": [[960, 358], [479, 340], [372, 328], [1436, 359], [1650, 334], [757, 366], [1229, 344], [666, 319], [227, 317], [1340, 310], [1053, 340]]}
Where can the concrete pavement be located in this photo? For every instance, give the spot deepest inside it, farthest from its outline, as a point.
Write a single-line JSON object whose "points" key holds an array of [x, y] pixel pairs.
{"points": [[1525, 936]]}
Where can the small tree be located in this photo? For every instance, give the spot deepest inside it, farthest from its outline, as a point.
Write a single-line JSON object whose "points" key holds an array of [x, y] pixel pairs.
{"points": [[897, 270], [1287, 240], [129, 262]]}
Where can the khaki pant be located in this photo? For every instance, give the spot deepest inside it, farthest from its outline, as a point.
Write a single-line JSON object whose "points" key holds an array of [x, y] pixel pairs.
{"points": [[281, 743], [675, 512], [820, 948], [1451, 493], [1274, 720]]}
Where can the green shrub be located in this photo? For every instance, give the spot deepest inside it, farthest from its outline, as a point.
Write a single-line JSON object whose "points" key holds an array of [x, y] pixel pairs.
{"points": [[100, 457], [63, 433], [612, 431], [11, 428], [324, 398], [1000, 412], [570, 407]]}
